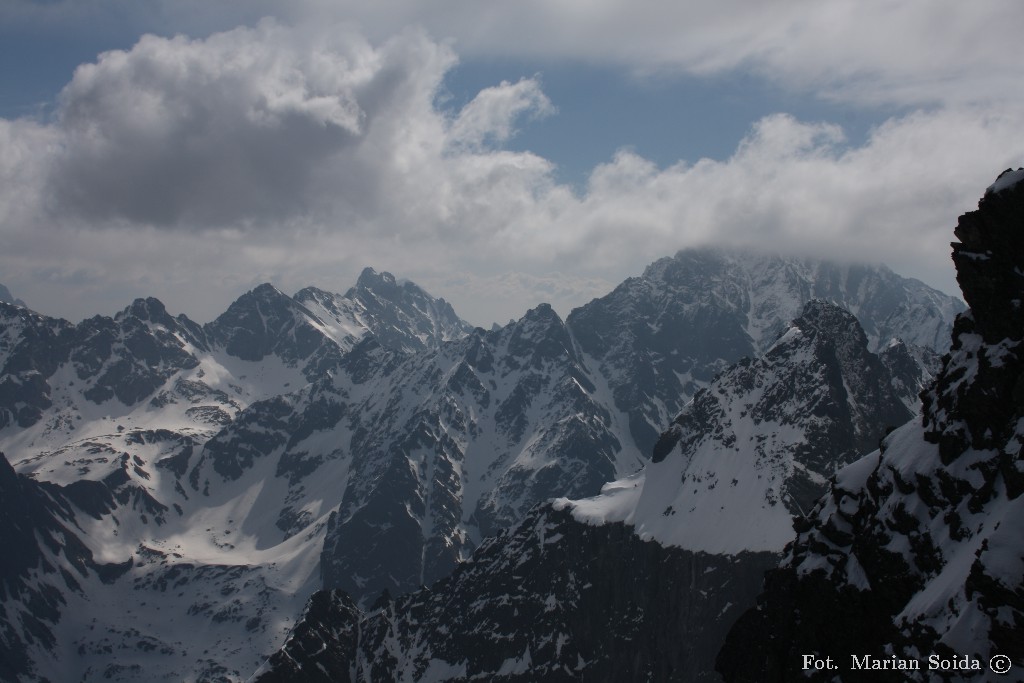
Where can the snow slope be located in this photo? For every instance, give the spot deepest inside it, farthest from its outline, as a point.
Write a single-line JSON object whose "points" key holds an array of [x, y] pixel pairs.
{"points": [[757, 446]]}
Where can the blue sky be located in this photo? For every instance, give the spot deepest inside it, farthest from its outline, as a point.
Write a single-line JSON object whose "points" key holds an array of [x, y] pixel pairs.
{"points": [[664, 118], [498, 154], [601, 108]]}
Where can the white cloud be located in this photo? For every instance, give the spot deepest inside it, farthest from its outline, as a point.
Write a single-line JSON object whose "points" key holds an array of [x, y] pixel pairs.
{"points": [[191, 169], [229, 129], [492, 114]]}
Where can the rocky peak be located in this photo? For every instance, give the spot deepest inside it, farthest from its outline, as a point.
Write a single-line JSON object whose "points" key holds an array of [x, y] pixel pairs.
{"points": [[540, 334], [315, 294], [402, 315], [264, 298], [256, 322], [148, 309], [386, 287], [865, 383], [691, 316], [780, 425], [989, 261], [832, 323], [7, 297], [383, 282], [266, 291], [151, 312], [542, 316], [979, 394]]}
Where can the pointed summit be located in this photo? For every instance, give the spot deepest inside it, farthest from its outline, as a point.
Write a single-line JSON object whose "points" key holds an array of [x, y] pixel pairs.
{"points": [[149, 308], [386, 286], [539, 336], [371, 279], [402, 315], [261, 322], [7, 297]]}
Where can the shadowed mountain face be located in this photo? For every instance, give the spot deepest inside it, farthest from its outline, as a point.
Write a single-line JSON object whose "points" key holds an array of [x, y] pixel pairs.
{"points": [[373, 441], [915, 549], [643, 581], [452, 446], [553, 599], [43, 561]]}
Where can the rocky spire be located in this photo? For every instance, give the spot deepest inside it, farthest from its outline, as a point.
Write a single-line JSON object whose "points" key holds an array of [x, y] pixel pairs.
{"points": [[989, 261]]}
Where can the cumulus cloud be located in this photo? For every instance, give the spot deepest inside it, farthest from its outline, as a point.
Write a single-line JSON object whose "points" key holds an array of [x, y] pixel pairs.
{"points": [[256, 128], [192, 169], [228, 129]]}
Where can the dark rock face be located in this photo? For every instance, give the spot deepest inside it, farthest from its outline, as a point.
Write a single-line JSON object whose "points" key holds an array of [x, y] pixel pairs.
{"points": [[912, 369], [860, 402], [31, 348], [916, 549], [42, 559], [266, 322], [988, 262], [526, 608], [133, 354], [323, 646]]}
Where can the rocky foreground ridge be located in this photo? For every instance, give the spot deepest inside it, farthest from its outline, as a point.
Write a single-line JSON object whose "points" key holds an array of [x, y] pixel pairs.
{"points": [[916, 549]]}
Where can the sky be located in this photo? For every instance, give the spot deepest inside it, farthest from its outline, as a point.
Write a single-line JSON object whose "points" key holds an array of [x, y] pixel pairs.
{"points": [[499, 154]]}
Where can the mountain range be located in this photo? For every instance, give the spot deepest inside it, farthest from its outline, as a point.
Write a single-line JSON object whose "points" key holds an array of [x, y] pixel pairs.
{"points": [[908, 555], [641, 581], [179, 490]]}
